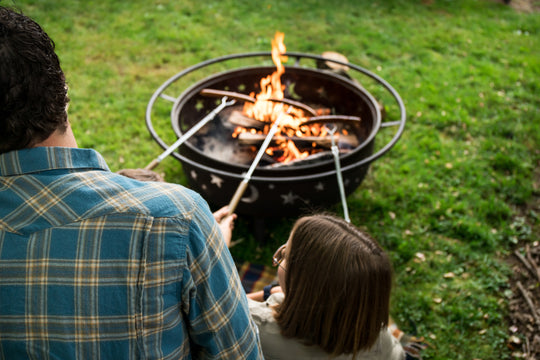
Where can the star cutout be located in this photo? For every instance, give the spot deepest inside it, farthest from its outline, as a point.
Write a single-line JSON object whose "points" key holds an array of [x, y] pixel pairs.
{"points": [[319, 186], [288, 198], [216, 180], [193, 174]]}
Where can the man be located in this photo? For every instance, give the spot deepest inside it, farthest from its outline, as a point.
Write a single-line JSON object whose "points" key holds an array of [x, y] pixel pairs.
{"points": [[94, 264]]}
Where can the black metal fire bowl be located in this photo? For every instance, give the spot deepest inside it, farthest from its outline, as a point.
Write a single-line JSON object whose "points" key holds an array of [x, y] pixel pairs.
{"points": [[283, 190]]}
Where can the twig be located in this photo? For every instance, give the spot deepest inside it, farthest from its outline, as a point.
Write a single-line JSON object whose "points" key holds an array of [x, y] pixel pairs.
{"points": [[529, 302], [525, 262], [531, 261]]}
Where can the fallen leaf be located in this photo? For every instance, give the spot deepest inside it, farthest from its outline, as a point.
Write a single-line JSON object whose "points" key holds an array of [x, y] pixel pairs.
{"points": [[420, 256], [514, 340], [513, 328]]}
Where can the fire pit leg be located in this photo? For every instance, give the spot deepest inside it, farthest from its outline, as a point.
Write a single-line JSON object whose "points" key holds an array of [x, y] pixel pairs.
{"points": [[259, 230]]}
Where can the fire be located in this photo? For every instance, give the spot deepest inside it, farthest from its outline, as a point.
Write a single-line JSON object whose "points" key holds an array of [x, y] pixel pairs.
{"points": [[290, 118], [262, 109]]}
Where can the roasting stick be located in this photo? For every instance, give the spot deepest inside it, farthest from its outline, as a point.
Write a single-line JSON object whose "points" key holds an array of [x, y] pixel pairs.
{"points": [[335, 152], [243, 185], [190, 132]]}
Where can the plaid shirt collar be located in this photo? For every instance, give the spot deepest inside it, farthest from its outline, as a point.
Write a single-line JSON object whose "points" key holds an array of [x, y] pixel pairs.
{"points": [[39, 159]]}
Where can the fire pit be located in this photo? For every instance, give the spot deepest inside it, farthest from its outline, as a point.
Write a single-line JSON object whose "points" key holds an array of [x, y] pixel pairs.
{"points": [[215, 161]]}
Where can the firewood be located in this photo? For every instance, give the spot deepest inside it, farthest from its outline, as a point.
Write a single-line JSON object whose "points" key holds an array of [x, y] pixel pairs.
{"points": [[237, 118], [332, 119], [332, 55], [304, 141]]}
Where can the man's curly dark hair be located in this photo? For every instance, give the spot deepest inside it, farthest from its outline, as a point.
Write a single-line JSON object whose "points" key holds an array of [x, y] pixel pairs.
{"points": [[33, 91]]}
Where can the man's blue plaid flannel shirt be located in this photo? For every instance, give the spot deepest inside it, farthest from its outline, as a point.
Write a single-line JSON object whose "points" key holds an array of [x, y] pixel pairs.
{"points": [[96, 265]]}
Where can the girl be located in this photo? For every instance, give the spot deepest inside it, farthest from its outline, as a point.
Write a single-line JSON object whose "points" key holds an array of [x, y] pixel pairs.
{"points": [[333, 299]]}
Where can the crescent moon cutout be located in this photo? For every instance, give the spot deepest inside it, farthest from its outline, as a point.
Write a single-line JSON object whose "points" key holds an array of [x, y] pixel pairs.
{"points": [[254, 195]]}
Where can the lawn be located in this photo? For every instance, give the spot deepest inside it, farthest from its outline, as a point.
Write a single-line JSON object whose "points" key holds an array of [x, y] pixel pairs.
{"points": [[450, 202]]}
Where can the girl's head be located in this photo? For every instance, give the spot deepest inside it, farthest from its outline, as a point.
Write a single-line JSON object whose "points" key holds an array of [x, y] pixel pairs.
{"points": [[337, 283]]}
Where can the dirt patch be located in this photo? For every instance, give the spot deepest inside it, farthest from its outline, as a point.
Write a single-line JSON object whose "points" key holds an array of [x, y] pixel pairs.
{"points": [[526, 6], [524, 305]]}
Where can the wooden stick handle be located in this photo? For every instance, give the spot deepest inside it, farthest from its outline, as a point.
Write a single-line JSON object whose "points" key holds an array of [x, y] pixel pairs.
{"points": [[238, 195], [152, 164]]}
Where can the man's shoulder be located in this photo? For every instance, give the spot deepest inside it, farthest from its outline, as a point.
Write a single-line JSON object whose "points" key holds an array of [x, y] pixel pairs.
{"points": [[158, 198]]}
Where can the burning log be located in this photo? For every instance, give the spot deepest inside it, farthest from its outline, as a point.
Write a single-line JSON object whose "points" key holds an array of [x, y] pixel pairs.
{"points": [[332, 119], [239, 119], [247, 138]]}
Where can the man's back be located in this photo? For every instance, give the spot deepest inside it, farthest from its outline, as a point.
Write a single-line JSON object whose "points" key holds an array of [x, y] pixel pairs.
{"points": [[96, 265]]}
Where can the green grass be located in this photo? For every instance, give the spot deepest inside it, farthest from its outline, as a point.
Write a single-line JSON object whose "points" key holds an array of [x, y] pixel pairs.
{"points": [[448, 199]]}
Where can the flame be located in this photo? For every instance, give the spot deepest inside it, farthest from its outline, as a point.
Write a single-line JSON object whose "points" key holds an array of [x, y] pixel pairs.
{"points": [[262, 109], [269, 111]]}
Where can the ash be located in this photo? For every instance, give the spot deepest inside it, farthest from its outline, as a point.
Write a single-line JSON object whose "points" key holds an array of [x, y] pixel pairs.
{"points": [[220, 148]]}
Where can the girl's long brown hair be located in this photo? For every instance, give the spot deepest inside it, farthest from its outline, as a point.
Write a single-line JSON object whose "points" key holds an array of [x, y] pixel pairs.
{"points": [[337, 286]]}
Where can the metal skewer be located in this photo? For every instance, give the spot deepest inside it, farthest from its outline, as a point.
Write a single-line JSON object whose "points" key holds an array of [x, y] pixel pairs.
{"points": [[190, 132], [245, 181], [335, 152]]}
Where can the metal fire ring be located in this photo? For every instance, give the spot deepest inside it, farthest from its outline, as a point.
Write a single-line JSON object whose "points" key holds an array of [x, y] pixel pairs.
{"points": [[160, 92]]}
